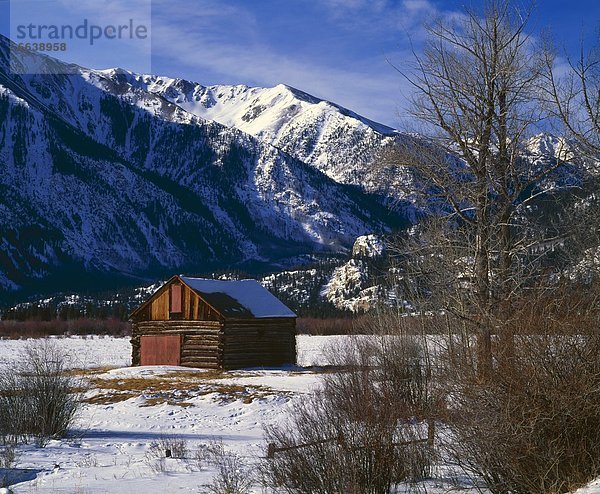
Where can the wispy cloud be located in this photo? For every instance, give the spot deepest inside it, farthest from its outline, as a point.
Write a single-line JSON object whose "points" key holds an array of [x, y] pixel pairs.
{"points": [[401, 16], [227, 41]]}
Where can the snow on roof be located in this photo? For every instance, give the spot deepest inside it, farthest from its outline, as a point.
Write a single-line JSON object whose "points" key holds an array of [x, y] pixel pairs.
{"points": [[249, 294]]}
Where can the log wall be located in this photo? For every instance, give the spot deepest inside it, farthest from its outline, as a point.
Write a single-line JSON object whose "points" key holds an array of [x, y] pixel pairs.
{"points": [[259, 342], [202, 343], [233, 344]]}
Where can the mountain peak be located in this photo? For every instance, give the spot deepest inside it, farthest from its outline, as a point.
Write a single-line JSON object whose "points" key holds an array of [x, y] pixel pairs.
{"points": [[329, 137]]}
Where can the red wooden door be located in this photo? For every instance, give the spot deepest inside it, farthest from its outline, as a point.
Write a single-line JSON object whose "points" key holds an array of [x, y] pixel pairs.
{"points": [[160, 350]]}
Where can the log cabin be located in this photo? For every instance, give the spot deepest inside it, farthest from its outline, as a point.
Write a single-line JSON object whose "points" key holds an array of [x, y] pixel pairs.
{"points": [[218, 324]]}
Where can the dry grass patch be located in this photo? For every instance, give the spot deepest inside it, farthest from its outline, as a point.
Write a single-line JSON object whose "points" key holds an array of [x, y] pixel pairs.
{"points": [[108, 398], [161, 400], [174, 388], [84, 372], [247, 394], [140, 385]]}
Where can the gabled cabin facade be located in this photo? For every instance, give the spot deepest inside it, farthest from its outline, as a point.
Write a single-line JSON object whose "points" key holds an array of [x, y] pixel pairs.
{"points": [[215, 324]]}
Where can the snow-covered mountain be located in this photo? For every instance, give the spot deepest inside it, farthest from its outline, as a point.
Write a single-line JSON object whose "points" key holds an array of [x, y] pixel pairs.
{"points": [[334, 140], [103, 176]]}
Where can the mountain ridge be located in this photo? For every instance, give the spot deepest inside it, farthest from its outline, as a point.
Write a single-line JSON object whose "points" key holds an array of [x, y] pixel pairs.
{"points": [[135, 186], [331, 138]]}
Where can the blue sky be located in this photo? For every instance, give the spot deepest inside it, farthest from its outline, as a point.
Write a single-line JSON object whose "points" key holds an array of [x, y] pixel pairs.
{"points": [[335, 49]]}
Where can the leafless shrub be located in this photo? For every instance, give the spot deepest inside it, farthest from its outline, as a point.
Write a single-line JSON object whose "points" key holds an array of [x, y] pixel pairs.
{"points": [[533, 426], [89, 461], [173, 446], [8, 456], [324, 326], [363, 430], [36, 397], [167, 446], [359, 324], [234, 475], [201, 457], [155, 460]]}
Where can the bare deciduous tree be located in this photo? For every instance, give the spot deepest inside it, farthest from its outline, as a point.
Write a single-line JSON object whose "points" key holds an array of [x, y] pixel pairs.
{"points": [[573, 99], [493, 255], [477, 87]]}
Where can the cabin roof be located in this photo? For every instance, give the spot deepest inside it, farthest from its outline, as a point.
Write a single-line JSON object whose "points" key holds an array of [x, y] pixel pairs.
{"points": [[239, 298]]}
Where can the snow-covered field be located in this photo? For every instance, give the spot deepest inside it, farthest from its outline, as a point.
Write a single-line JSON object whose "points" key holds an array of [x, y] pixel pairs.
{"points": [[100, 351], [108, 450], [128, 408]]}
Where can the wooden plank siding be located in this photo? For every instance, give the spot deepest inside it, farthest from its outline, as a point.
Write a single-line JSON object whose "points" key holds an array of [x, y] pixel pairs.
{"points": [[159, 308], [193, 308], [175, 298], [160, 349]]}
